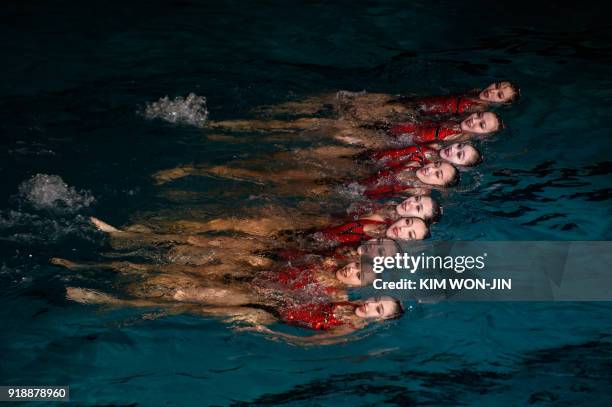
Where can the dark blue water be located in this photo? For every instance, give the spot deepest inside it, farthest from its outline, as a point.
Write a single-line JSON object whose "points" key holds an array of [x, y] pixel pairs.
{"points": [[75, 77]]}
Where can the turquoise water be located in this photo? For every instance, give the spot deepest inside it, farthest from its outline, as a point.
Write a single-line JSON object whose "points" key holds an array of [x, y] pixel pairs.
{"points": [[77, 76]]}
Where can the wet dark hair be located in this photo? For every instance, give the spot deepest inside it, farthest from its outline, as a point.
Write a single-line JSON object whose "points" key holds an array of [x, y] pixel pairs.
{"points": [[478, 159], [515, 88], [436, 212], [500, 123], [367, 277], [399, 310], [455, 180]]}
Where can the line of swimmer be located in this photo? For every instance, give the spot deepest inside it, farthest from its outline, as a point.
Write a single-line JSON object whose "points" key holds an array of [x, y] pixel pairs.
{"points": [[278, 264]]}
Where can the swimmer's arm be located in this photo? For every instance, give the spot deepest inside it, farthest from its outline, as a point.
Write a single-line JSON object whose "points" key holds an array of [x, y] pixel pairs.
{"points": [[333, 336]]}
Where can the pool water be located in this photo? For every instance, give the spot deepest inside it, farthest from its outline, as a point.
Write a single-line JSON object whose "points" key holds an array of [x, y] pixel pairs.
{"points": [[77, 77]]}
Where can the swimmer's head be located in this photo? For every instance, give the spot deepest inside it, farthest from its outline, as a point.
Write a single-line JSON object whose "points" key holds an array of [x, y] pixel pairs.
{"points": [[354, 275], [481, 123], [408, 229], [378, 247], [500, 92], [440, 174], [461, 154], [380, 308], [420, 206]]}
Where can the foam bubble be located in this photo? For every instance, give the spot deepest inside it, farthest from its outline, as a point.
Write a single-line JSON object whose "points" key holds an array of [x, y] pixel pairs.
{"points": [[189, 110], [50, 192], [347, 94]]}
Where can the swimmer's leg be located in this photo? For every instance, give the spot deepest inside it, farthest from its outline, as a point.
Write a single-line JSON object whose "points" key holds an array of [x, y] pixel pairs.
{"points": [[243, 315], [164, 176], [123, 239], [126, 267], [305, 189], [252, 125], [248, 175], [269, 138], [89, 296], [310, 105], [223, 171], [103, 226], [316, 156], [264, 225], [370, 139], [121, 266]]}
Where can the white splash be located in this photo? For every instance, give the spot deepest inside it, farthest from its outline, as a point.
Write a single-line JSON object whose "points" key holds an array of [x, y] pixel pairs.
{"points": [[189, 110], [347, 94], [50, 192]]}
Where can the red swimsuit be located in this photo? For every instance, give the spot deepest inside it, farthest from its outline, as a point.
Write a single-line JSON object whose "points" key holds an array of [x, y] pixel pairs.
{"points": [[397, 156], [314, 316], [425, 133], [384, 182], [297, 278], [297, 254], [453, 104], [351, 232]]}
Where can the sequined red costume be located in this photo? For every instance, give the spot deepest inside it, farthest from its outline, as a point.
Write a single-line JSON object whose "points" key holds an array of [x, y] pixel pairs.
{"points": [[313, 316], [299, 277], [397, 156], [351, 232], [424, 133], [452, 104], [385, 182]]}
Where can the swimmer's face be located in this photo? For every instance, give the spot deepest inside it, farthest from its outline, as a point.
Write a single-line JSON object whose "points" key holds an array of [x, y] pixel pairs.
{"points": [[420, 206], [408, 229], [498, 92], [378, 247], [439, 174], [350, 274], [378, 308], [481, 123], [460, 154]]}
